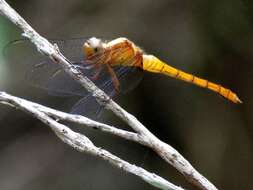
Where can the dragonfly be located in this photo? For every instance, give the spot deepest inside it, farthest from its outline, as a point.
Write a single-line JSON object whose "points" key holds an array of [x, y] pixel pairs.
{"points": [[115, 66]]}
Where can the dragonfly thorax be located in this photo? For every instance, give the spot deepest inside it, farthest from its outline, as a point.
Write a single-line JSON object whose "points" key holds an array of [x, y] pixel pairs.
{"points": [[118, 52], [124, 52]]}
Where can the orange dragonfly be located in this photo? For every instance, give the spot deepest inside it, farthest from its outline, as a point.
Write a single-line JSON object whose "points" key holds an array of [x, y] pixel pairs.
{"points": [[123, 52], [115, 66]]}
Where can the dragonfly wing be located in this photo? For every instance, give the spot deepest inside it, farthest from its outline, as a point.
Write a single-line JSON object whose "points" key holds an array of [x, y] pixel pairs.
{"points": [[129, 78], [71, 48], [42, 72], [89, 106], [50, 77]]}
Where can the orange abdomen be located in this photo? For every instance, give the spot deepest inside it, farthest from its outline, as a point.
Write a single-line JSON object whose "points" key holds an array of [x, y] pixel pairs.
{"points": [[153, 64]]}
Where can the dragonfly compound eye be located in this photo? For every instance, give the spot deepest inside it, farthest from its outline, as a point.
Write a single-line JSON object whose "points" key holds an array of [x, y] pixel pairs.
{"points": [[95, 42], [92, 46]]}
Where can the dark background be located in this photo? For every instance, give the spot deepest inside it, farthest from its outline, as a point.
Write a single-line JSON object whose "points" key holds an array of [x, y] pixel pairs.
{"points": [[212, 39]]}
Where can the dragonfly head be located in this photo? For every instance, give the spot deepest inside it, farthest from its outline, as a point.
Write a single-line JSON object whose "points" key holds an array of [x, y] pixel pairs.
{"points": [[93, 46]]}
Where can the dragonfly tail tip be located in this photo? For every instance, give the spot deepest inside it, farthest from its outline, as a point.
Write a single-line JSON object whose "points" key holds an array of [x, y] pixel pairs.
{"points": [[238, 100]]}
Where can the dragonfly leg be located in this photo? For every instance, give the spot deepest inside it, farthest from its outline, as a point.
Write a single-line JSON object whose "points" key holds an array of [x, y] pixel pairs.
{"points": [[98, 69], [84, 65], [115, 79]]}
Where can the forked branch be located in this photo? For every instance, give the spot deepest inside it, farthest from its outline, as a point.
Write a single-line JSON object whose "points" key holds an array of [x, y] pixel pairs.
{"points": [[165, 151], [80, 142]]}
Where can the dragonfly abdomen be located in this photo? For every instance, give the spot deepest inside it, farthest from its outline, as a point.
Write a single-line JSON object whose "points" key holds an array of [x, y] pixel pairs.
{"points": [[153, 64]]}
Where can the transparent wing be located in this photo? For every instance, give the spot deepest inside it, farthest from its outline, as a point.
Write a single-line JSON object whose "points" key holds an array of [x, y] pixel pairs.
{"points": [[88, 105], [42, 72], [50, 77]]}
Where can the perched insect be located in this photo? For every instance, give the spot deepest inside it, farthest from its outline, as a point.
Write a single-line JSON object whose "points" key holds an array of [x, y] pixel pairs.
{"points": [[115, 66], [123, 52]]}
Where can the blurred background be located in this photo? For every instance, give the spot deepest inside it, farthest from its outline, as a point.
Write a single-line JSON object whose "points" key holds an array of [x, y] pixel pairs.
{"points": [[212, 39]]}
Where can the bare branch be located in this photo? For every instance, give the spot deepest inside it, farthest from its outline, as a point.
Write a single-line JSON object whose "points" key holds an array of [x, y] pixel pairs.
{"points": [[168, 153], [82, 143], [78, 119]]}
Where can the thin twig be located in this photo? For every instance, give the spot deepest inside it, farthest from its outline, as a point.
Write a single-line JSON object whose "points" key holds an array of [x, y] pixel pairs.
{"points": [[83, 144], [78, 119], [168, 153]]}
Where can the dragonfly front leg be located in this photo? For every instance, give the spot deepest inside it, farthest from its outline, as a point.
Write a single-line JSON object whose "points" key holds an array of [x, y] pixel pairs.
{"points": [[90, 66], [84, 65], [98, 69]]}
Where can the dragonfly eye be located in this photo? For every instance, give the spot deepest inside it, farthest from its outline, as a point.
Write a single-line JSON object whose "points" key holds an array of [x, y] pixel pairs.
{"points": [[93, 46]]}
